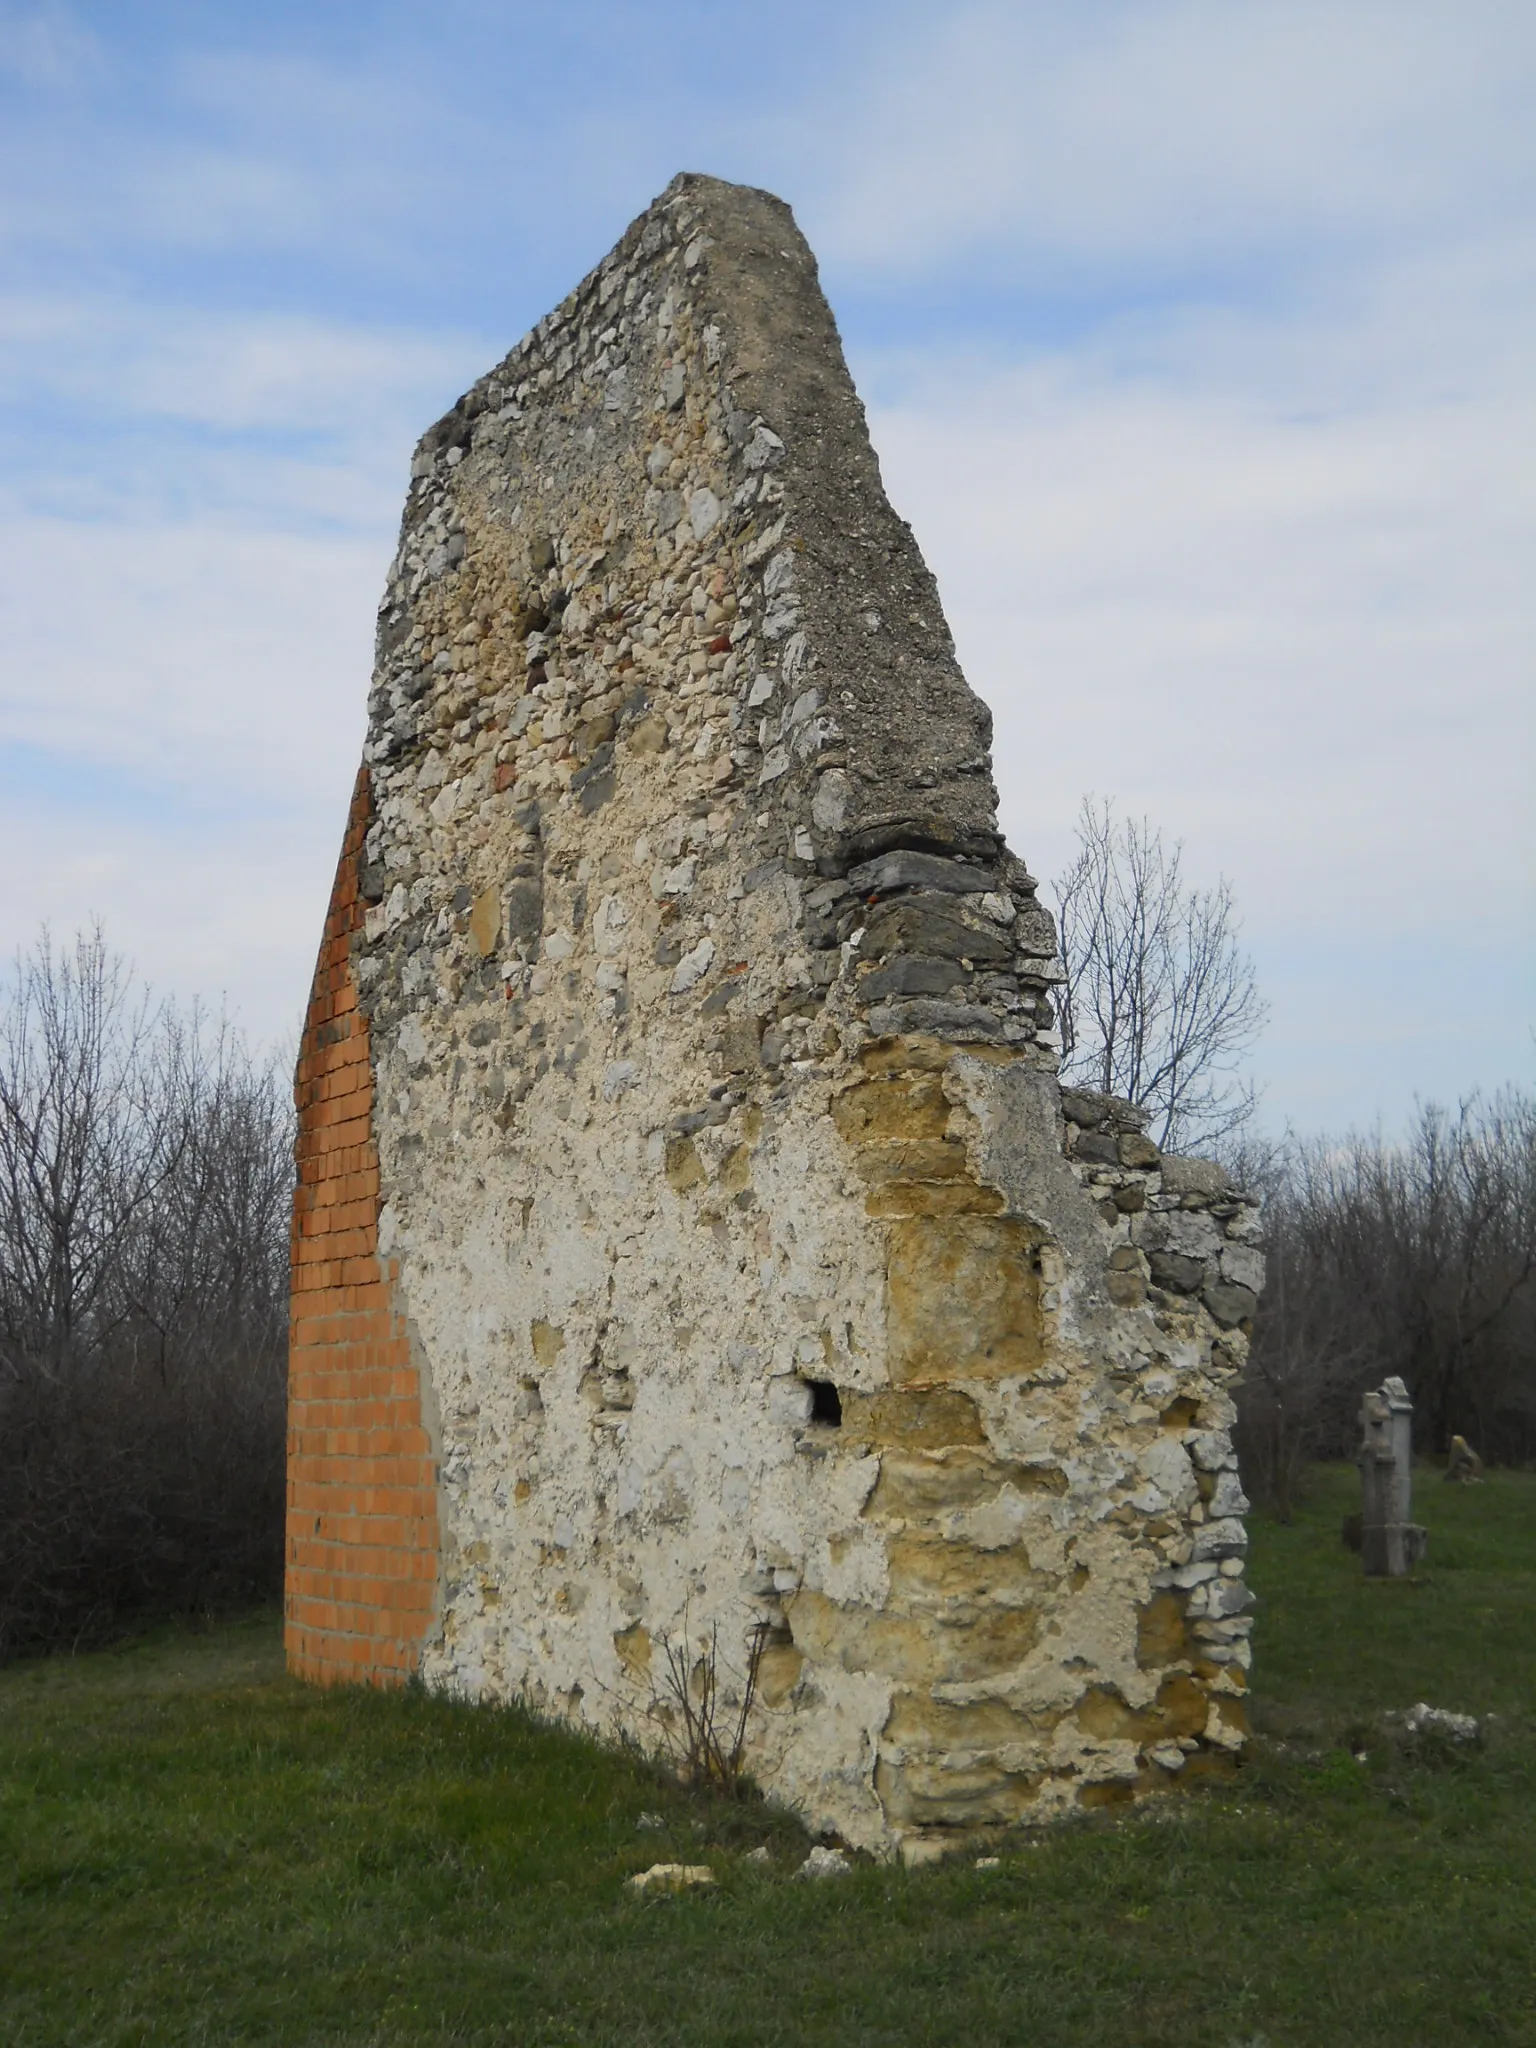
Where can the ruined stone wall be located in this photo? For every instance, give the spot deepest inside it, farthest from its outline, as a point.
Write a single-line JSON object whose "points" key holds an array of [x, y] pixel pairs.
{"points": [[727, 1209]]}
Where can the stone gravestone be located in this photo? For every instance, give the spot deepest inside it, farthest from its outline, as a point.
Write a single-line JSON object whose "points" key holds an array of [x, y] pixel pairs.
{"points": [[693, 1241], [1391, 1543], [1463, 1466]]}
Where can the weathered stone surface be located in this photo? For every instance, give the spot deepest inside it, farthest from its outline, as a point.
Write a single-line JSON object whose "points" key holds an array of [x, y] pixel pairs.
{"points": [[1230, 1304], [925, 1570], [914, 1648], [926, 1418], [920, 1488], [1391, 1542], [1099, 1148], [964, 1299], [903, 975], [953, 1792], [1194, 1176], [1174, 1270], [905, 869], [925, 924], [684, 1172]]}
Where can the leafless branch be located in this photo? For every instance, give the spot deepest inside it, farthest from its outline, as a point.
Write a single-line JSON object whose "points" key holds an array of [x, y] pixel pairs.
{"points": [[1160, 1003]]}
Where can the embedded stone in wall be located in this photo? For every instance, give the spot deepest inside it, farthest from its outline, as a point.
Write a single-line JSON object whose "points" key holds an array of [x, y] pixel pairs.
{"points": [[735, 1251]]}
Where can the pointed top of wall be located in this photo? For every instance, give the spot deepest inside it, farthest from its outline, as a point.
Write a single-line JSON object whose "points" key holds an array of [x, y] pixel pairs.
{"points": [[732, 297]]}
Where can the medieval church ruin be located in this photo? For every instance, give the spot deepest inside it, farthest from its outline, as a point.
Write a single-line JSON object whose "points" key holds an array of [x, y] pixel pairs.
{"points": [[692, 1236]]}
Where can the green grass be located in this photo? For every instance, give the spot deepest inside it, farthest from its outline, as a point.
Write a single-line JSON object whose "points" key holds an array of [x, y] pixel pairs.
{"points": [[195, 1850]]}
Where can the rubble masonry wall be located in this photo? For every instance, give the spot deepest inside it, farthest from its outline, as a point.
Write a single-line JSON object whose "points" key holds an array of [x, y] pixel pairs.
{"points": [[693, 1234]]}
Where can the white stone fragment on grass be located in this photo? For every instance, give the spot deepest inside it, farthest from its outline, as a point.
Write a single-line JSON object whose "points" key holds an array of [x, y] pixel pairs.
{"points": [[1425, 1719], [672, 1877], [825, 1863]]}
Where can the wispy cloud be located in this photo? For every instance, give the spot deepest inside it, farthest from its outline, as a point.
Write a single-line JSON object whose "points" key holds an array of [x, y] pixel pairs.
{"points": [[1162, 137], [84, 359], [47, 49], [1296, 636]]}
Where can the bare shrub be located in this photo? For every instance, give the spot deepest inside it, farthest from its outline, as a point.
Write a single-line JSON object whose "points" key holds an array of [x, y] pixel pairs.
{"points": [[708, 1744], [145, 1174]]}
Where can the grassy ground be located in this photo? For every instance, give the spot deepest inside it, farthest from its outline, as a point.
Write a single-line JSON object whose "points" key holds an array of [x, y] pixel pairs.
{"points": [[194, 1850]]}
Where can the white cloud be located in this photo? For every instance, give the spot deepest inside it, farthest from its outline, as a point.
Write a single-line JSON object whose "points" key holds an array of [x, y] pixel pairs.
{"points": [[1167, 132], [230, 915], [182, 709], [1292, 630], [191, 656], [238, 372], [189, 569]]}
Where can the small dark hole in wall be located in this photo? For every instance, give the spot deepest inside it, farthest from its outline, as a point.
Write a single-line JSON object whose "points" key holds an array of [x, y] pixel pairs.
{"points": [[826, 1405]]}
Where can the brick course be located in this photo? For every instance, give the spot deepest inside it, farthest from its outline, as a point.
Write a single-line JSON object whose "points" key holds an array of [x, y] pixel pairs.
{"points": [[362, 1538]]}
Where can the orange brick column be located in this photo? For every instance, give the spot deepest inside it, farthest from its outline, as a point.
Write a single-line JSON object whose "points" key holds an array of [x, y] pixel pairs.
{"points": [[362, 1548]]}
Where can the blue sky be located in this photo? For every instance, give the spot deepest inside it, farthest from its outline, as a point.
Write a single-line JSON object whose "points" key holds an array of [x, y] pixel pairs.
{"points": [[1198, 345]]}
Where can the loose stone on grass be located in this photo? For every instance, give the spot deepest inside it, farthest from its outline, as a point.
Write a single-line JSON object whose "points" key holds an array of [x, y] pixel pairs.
{"points": [[672, 1877]]}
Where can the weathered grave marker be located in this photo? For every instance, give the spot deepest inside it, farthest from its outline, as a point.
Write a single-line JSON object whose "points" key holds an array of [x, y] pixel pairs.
{"points": [[1391, 1543], [1463, 1466]]}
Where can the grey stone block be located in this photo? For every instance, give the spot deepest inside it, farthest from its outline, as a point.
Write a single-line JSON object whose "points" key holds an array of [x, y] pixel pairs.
{"points": [[1230, 1304], [1172, 1270], [905, 869]]}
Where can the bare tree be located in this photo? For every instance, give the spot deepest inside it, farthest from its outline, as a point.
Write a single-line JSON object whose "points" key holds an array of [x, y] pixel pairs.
{"points": [[87, 1135], [1417, 1259], [1160, 1003], [145, 1169], [1457, 1209], [1318, 1340]]}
